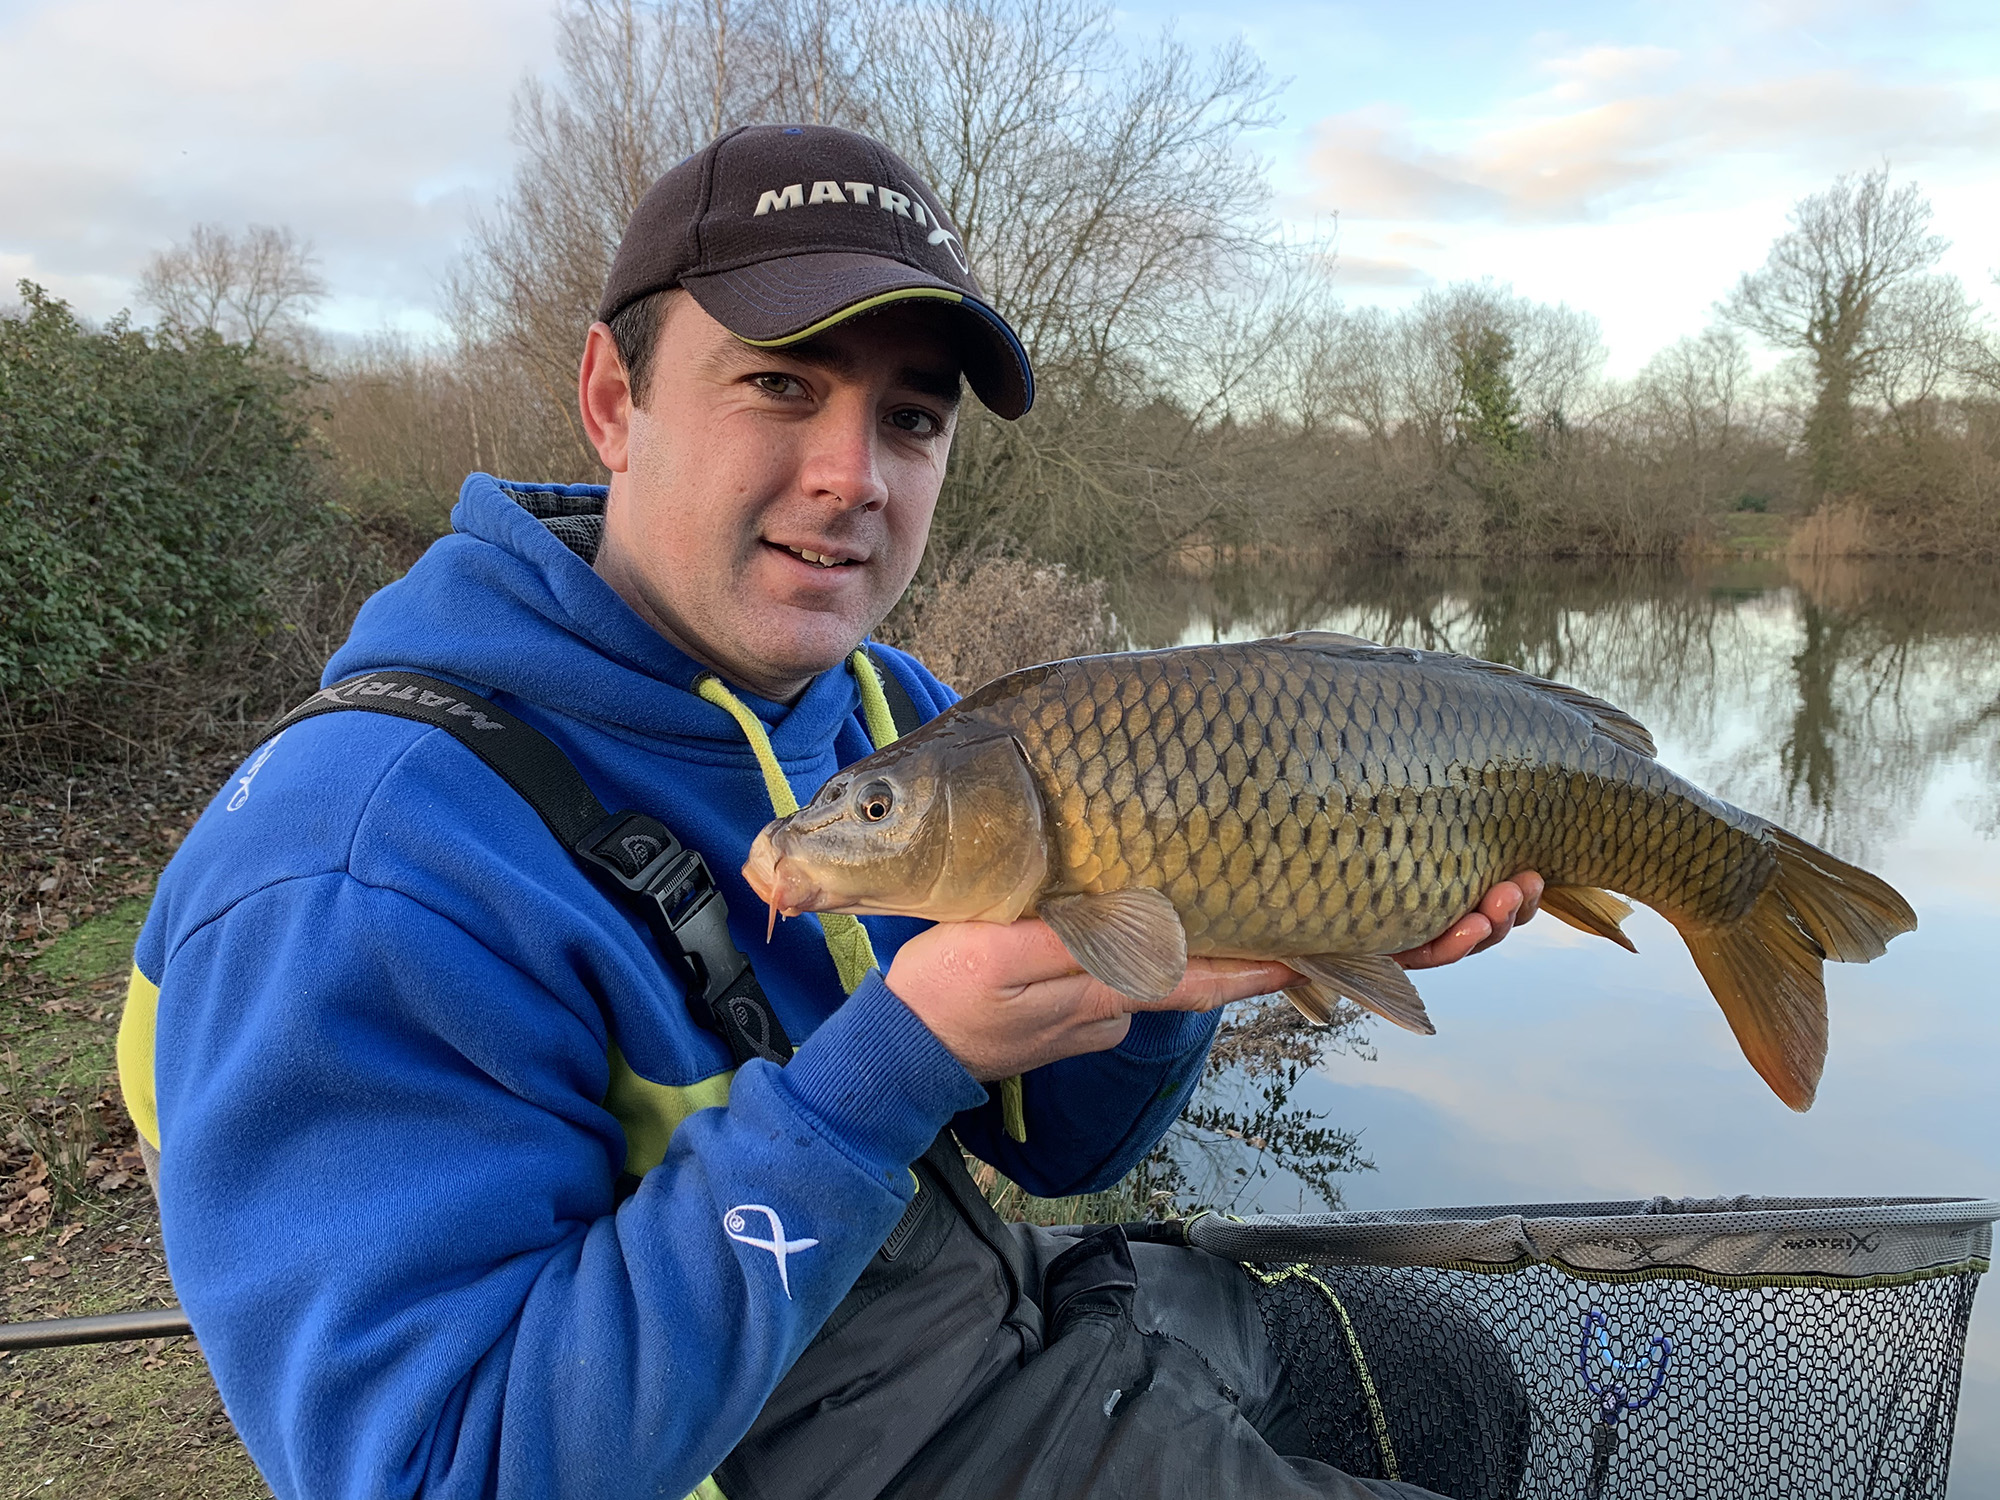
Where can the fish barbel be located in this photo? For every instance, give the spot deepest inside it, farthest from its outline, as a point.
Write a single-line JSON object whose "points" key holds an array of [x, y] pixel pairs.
{"points": [[1327, 802]]}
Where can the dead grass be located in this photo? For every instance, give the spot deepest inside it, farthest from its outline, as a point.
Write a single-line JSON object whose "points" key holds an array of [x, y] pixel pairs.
{"points": [[1836, 529], [976, 621]]}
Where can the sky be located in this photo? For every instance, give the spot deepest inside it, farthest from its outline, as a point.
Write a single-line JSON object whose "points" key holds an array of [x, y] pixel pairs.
{"points": [[1631, 160]]}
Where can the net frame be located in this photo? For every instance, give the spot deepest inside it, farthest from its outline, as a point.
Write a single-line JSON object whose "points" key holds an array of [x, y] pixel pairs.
{"points": [[1752, 1241]]}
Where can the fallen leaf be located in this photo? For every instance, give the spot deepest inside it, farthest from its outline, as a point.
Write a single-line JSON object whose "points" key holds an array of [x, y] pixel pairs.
{"points": [[68, 1234], [113, 1181]]}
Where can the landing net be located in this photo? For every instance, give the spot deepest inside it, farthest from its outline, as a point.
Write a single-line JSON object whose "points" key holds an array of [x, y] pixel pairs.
{"points": [[1692, 1349]]}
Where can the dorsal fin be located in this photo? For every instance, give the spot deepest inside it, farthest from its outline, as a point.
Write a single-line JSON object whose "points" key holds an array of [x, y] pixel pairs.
{"points": [[1611, 721], [1326, 640]]}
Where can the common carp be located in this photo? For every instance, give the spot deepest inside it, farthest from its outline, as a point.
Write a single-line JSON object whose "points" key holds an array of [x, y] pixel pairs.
{"points": [[1325, 801]]}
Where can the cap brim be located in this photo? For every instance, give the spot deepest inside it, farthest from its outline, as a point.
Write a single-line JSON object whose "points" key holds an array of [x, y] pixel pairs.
{"points": [[793, 298]]}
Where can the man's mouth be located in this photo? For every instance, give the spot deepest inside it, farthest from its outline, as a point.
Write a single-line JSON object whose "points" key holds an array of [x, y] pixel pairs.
{"points": [[817, 559]]}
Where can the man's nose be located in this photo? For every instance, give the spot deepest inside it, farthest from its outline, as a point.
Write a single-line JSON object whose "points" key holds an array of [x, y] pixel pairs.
{"points": [[844, 460]]}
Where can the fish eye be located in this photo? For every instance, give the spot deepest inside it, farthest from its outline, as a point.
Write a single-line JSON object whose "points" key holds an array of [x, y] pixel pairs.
{"points": [[874, 800]]}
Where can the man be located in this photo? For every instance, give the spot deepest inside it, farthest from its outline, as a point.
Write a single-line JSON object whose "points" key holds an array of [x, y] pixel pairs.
{"points": [[460, 1196]]}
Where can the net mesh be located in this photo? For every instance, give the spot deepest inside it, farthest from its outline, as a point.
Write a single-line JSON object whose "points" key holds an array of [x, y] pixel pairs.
{"points": [[1753, 1348]]}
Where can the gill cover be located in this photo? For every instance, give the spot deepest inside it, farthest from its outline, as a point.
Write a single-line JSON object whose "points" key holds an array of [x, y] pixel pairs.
{"points": [[946, 825]]}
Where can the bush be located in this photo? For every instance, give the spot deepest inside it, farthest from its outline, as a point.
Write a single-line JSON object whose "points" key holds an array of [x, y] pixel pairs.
{"points": [[149, 484]]}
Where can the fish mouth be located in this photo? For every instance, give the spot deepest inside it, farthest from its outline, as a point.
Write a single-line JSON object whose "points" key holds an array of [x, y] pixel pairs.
{"points": [[779, 883]]}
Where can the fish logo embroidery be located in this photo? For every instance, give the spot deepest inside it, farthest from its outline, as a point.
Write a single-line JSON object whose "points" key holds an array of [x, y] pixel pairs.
{"points": [[242, 793], [737, 1227]]}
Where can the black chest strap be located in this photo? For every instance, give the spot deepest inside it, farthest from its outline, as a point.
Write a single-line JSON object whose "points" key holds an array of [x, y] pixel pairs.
{"points": [[633, 853]]}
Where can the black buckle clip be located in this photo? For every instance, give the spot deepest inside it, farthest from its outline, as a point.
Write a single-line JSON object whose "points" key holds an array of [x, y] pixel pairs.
{"points": [[690, 920]]}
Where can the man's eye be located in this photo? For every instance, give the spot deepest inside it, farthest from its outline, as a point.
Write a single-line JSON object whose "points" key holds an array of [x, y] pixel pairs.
{"points": [[779, 385], [916, 421]]}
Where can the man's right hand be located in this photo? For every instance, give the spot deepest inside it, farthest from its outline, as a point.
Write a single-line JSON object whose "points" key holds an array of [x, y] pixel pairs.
{"points": [[1005, 999]]}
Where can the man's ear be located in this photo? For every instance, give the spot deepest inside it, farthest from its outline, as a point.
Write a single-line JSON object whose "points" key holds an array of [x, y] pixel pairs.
{"points": [[604, 398]]}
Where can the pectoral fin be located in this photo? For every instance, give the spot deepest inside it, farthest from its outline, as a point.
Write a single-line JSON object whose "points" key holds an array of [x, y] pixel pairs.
{"points": [[1588, 909], [1131, 940], [1371, 980]]}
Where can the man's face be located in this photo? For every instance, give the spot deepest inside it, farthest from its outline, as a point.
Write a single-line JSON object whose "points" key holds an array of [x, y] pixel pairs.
{"points": [[769, 507]]}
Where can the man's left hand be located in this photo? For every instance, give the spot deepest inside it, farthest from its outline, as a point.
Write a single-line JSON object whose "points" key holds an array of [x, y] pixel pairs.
{"points": [[1499, 912]]}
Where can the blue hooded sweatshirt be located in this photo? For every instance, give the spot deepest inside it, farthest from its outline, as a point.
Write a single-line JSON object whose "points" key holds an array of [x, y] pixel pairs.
{"points": [[403, 1049]]}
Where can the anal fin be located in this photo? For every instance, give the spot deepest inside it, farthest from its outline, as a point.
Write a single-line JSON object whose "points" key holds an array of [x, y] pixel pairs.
{"points": [[1131, 940], [1373, 981], [1588, 909]]}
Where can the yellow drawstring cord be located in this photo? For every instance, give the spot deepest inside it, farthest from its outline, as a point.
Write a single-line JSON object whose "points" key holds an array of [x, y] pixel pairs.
{"points": [[846, 939]]}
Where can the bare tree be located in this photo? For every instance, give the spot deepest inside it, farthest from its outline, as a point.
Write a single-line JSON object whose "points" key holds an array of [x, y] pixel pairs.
{"points": [[1692, 393], [1099, 191], [1822, 292], [1102, 192], [1408, 372], [1929, 337], [643, 83], [257, 289]]}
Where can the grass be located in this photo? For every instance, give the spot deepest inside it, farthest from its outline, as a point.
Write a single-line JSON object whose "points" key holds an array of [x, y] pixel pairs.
{"points": [[79, 1233], [1750, 533]]}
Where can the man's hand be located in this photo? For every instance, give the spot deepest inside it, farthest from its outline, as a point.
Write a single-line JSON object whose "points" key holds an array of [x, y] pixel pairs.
{"points": [[1007, 999], [1499, 912]]}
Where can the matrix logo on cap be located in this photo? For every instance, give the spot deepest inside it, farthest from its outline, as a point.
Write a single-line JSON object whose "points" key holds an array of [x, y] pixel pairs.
{"points": [[909, 205]]}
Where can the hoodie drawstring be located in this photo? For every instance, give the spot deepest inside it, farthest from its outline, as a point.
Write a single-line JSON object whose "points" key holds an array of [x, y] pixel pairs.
{"points": [[846, 939]]}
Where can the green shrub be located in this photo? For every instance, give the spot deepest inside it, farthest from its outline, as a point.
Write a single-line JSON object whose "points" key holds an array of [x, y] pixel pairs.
{"points": [[147, 483]]}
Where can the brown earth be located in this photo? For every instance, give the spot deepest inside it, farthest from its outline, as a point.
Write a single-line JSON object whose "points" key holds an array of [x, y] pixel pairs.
{"points": [[78, 1231]]}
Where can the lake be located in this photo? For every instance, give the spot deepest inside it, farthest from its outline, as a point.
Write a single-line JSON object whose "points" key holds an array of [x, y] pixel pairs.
{"points": [[1857, 704]]}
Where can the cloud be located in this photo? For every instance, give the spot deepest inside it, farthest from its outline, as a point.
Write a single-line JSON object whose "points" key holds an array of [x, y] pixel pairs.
{"points": [[1589, 143], [1581, 72], [1363, 270], [371, 128]]}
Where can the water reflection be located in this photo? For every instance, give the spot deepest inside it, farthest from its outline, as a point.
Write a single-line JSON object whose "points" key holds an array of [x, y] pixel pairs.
{"points": [[1857, 704]]}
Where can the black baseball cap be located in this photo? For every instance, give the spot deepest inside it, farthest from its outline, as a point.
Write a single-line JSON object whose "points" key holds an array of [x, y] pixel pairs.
{"points": [[782, 231]]}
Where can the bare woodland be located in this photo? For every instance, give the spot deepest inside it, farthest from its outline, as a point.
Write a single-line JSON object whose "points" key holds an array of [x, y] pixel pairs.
{"points": [[1203, 391]]}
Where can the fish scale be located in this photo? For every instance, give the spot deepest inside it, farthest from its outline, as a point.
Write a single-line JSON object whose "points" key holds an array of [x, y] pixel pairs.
{"points": [[1301, 807], [1328, 802]]}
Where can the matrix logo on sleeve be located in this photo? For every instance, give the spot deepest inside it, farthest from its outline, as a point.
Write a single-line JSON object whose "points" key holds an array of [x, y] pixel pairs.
{"points": [[737, 1227], [909, 205]]}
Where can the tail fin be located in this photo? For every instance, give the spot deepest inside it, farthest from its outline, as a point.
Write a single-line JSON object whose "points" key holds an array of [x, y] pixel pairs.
{"points": [[1851, 913], [1765, 968]]}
